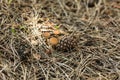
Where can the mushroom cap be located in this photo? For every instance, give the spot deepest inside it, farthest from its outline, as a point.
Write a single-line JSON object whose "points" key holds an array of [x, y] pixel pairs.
{"points": [[56, 32], [53, 41], [46, 34]]}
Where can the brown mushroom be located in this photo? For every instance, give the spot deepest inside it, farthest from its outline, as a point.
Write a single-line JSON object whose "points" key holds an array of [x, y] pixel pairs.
{"points": [[56, 32], [46, 34], [53, 41]]}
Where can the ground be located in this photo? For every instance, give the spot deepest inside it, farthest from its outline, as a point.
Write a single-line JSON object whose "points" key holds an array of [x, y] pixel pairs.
{"points": [[25, 54]]}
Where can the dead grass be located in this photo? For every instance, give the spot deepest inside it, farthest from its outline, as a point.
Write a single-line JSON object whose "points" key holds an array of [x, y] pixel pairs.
{"points": [[24, 55]]}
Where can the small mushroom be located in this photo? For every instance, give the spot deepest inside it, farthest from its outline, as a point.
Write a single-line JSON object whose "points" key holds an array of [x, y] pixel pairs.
{"points": [[46, 34], [56, 32], [53, 41]]}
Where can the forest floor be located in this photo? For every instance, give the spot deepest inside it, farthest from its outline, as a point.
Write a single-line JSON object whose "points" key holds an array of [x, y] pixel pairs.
{"points": [[26, 53]]}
